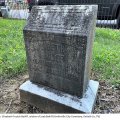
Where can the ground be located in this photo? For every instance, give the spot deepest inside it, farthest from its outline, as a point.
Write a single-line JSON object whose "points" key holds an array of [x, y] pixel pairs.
{"points": [[108, 100]]}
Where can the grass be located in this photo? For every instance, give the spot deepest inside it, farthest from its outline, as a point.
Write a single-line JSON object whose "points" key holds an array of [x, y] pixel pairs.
{"points": [[106, 51], [106, 54], [12, 52]]}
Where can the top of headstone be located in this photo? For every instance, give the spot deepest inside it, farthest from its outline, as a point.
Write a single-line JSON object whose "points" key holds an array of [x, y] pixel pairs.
{"points": [[68, 19]]}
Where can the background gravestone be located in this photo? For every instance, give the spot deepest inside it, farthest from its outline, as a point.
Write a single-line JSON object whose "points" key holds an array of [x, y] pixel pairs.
{"points": [[58, 42]]}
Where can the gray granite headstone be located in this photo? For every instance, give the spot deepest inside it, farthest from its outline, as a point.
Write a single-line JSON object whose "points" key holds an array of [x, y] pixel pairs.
{"points": [[58, 42]]}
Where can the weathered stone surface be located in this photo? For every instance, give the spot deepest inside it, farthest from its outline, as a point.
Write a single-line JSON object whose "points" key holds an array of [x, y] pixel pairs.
{"points": [[53, 101], [58, 42]]}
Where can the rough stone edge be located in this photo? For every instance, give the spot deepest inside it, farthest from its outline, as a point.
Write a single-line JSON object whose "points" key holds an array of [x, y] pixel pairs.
{"points": [[27, 26], [67, 101]]}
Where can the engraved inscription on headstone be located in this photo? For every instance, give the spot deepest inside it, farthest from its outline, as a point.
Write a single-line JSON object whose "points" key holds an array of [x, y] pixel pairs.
{"points": [[58, 42]]}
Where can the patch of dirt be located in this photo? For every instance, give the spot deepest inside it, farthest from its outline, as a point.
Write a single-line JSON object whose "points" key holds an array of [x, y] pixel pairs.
{"points": [[108, 99], [10, 96]]}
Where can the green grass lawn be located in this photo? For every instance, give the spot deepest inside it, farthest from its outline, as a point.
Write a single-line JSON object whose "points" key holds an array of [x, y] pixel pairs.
{"points": [[106, 51], [106, 54], [12, 52]]}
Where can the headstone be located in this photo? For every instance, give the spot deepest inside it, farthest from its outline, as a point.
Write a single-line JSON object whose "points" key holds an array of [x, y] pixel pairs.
{"points": [[5, 12], [58, 42]]}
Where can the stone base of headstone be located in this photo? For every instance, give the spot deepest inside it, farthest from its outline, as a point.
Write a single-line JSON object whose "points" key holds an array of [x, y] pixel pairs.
{"points": [[53, 101]]}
